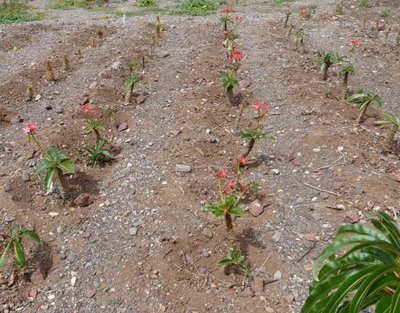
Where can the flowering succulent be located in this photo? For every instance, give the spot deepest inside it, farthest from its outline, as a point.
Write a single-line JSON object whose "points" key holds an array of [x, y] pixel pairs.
{"points": [[236, 57], [354, 43], [229, 81]]}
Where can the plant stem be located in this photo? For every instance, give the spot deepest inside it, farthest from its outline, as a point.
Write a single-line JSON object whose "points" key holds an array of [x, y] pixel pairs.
{"points": [[361, 114], [249, 147], [97, 133], [327, 65], [63, 185], [242, 105], [231, 96], [39, 145]]}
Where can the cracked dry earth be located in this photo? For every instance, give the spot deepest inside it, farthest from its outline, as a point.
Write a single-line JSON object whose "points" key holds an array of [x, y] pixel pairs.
{"points": [[143, 245]]}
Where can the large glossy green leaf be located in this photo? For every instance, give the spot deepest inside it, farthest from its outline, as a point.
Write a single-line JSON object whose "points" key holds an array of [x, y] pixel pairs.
{"points": [[49, 178], [348, 286], [225, 261], [19, 255], [365, 288], [387, 248], [27, 233], [67, 166], [53, 153], [42, 166], [361, 230], [383, 305]]}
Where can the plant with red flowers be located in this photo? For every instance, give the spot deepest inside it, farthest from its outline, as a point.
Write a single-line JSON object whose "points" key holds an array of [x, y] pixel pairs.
{"points": [[236, 57], [229, 81], [305, 12], [328, 59], [225, 18], [54, 163], [354, 43], [255, 134], [346, 70], [93, 124], [288, 13]]}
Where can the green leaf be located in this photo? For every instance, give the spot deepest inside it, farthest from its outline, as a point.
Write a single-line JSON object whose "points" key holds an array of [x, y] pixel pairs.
{"points": [[383, 305], [3, 256], [107, 154], [225, 261], [395, 303], [53, 153], [362, 230], [27, 233], [49, 178], [67, 166], [236, 211], [41, 167], [19, 255]]}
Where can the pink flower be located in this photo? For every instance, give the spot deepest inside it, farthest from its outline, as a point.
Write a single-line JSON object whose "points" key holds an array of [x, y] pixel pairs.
{"points": [[244, 188], [355, 43], [238, 18], [242, 160], [85, 108], [227, 10], [236, 56], [289, 5], [226, 33], [30, 128], [221, 174], [303, 11], [225, 210], [230, 184], [261, 106]]}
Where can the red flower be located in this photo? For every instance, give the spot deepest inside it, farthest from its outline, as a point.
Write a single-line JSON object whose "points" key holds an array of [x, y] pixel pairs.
{"points": [[355, 43], [226, 33], [230, 184], [261, 106], [85, 108], [226, 192], [244, 188], [238, 18], [94, 111], [225, 210], [236, 56], [30, 128], [303, 11], [221, 174], [227, 10], [242, 160]]}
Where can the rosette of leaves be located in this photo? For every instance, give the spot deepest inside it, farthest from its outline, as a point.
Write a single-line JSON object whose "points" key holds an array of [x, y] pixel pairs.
{"points": [[363, 270], [97, 153], [394, 121], [11, 242], [229, 81], [253, 135], [55, 164], [326, 60], [364, 99], [237, 259]]}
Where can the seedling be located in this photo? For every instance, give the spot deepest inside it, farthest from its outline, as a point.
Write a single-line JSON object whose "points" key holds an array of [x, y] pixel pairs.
{"points": [[49, 72], [326, 60], [225, 18], [146, 3], [288, 13], [229, 81], [96, 153], [129, 85], [339, 10], [12, 241], [237, 259], [354, 43], [346, 70], [299, 38], [255, 134], [394, 121], [363, 4], [66, 66], [99, 34], [29, 92], [363, 99]]}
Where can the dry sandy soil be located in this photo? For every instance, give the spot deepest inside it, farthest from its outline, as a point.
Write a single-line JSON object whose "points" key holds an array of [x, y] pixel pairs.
{"points": [[144, 245]]}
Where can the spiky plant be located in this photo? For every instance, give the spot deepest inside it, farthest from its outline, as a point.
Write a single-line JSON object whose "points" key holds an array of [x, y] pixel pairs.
{"points": [[363, 100], [394, 121], [362, 270]]}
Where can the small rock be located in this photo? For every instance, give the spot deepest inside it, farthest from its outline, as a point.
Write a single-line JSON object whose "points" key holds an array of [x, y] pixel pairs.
{"points": [[9, 218], [255, 208], [51, 297], [245, 84], [31, 163], [207, 233], [59, 109], [133, 231], [277, 275], [352, 217], [247, 293], [33, 293], [182, 168], [140, 99], [317, 149], [38, 97], [93, 85], [275, 171], [257, 284], [290, 298], [73, 281], [205, 253], [90, 293], [39, 274], [277, 236], [84, 199], [54, 214], [48, 107], [310, 237], [116, 65], [25, 176], [123, 126]]}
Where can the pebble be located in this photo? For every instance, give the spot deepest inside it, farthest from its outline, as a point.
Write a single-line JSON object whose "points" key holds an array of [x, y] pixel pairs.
{"points": [[59, 109], [275, 171], [25, 176], [31, 163], [48, 107], [54, 214], [205, 253], [277, 275], [317, 149], [247, 293], [276, 236], [257, 284], [123, 126], [90, 293], [182, 168], [207, 233], [255, 208], [133, 231], [51, 297], [9, 218], [140, 99]]}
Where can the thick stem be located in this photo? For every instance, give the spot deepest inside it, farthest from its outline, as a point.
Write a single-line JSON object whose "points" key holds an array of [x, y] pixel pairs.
{"points": [[231, 96], [63, 184], [242, 105], [286, 21], [361, 114], [327, 65], [387, 146], [345, 79], [97, 133], [228, 222], [39, 145], [249, 147], [128, 95]]}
